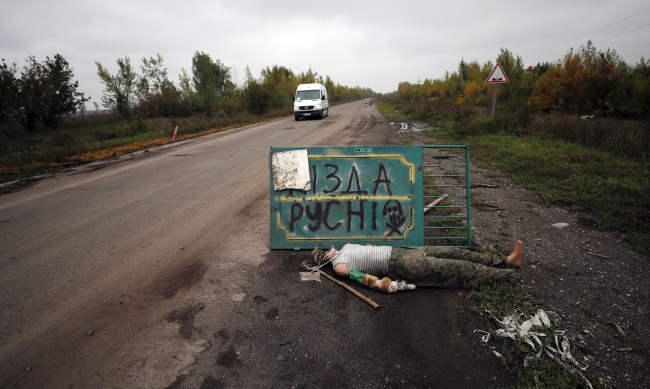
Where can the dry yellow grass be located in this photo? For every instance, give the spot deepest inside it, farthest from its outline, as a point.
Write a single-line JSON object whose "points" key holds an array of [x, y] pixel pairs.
{"points": [[103, 154]]}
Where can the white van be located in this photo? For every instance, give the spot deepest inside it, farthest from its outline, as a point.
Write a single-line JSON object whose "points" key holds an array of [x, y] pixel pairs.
{"points": [[310, 100]]}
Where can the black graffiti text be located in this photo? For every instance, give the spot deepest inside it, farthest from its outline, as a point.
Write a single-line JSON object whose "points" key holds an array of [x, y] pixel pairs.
{"points": [[334, 180]]}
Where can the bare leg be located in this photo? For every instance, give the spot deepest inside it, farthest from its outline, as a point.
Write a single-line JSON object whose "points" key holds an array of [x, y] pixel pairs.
{"points": [[515, 259]]}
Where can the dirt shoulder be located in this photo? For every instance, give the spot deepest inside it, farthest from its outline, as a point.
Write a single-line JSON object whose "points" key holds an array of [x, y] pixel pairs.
{"points": [[591, 285]]}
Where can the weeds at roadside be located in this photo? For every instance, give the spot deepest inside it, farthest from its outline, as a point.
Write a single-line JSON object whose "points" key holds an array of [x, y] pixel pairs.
{"points": [[503, 298], [98, 137], [605, 190], [499, 300]]}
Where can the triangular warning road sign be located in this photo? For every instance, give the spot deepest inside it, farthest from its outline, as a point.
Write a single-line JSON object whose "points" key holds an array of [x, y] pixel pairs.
{"points": [[497, 76]]}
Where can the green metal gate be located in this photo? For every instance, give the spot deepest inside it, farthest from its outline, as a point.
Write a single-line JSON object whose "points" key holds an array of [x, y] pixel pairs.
{"points": [[380, 195], [447, 195]]}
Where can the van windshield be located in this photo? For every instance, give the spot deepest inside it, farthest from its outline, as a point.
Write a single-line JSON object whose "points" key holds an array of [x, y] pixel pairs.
{"points": [[313, 94]]}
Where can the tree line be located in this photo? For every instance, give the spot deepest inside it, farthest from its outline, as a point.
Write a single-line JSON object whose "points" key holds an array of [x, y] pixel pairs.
{"points": [[207, 88], [586, 81], [46, 92]]}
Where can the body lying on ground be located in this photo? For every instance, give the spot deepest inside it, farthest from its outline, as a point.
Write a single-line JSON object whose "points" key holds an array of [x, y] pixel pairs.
{"points": [[392, 269]]}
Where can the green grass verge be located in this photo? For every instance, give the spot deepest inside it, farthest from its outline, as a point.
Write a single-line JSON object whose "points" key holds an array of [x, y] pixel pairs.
{"points": [[502, 299], [606, 191]]}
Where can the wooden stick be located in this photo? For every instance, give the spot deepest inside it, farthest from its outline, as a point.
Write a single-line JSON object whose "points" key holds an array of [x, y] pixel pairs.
{"points": [[350, 289], [475, 204], [594, 254], [434, 203], [619, 329]]}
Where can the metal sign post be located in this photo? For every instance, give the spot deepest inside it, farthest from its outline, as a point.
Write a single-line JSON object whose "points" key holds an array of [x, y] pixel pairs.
{"points": [[497, 76]]}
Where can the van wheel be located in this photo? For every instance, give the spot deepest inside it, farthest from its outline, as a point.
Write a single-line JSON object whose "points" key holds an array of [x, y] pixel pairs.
{"points": [[297, 117], [321, 114]]}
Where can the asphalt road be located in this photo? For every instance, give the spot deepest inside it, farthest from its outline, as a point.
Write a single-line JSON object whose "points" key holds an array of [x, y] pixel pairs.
{"points": [[154, 271]]}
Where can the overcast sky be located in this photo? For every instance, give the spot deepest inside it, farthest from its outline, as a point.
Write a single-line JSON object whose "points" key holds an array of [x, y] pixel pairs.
{"points": [[374, 44]]}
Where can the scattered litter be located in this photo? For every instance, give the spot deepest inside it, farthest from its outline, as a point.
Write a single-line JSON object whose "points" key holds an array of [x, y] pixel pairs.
{"points": [[485, 338], [559, 226], [531, 332], [619, 329], [90, 333], [625, 349], [309, 276]]}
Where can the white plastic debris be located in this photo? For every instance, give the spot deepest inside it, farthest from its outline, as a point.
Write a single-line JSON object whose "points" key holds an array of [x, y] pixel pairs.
{"points": [[560, 226], [531, 331], [309, 276], [485, 338]]}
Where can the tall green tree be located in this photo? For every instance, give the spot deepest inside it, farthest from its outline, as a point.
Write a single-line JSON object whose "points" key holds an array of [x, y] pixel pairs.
{"points": [[44, 92], [309, 76], [153, 79], [332, 90], [257, 96], [31, 92], [513, 66], [60, 96], [211, 81], [157, 95], [280, 84], [187, 95], [638, 103], [9, 107], [604, 73], [119, 89]]}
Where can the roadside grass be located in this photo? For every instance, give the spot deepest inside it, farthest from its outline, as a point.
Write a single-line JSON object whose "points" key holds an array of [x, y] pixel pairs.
{"points": [[99, 137], [606, 191], [392, 112]]}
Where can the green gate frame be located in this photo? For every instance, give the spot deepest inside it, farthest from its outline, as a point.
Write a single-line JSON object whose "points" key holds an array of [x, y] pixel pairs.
{"points": [[446, 181], [378, 195]]}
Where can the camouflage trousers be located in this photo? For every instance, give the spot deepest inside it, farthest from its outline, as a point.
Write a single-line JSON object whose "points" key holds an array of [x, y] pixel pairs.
{"points": [[447, 267]]}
